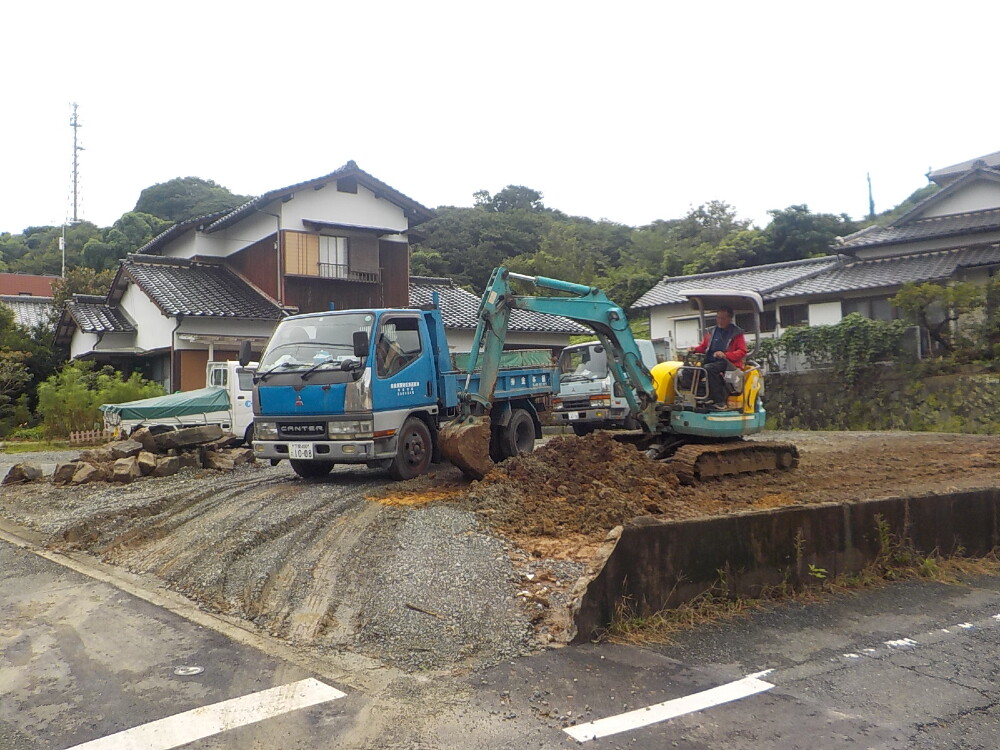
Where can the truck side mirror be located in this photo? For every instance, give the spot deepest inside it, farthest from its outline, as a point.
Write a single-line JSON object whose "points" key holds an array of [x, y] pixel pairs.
{"points": [[361, 344], [245, 354]]}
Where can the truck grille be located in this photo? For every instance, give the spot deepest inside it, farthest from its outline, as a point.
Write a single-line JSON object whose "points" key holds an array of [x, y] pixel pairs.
{"points": [[301, 429], [572, 404]]}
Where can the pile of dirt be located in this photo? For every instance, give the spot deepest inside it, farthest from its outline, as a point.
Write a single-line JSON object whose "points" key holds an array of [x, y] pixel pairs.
{"points": [[574, 485]]}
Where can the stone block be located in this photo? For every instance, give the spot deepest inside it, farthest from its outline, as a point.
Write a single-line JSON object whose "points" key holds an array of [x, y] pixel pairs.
{"points": [[22, 473], [218, 461], [147, 462], [242, 456], [126, 469], [63, 473], [188, 460], [144, 436], [167, 466], [124, 449], [96, 455], [86, 473], [187, 437]]}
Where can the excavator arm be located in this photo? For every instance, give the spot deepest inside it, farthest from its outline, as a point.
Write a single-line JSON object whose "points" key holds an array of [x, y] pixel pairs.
{"points": [[466, 440]]}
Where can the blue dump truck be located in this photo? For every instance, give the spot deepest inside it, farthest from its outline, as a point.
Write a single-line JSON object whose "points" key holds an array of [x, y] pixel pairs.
{"points": [[372, 387]]}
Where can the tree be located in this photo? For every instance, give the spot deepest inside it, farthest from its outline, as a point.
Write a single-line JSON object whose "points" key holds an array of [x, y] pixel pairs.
{"points": [[184, 198], [128, 234], [41, 253], [937, 308], [81, 280], [511, 198], [796, 233]]}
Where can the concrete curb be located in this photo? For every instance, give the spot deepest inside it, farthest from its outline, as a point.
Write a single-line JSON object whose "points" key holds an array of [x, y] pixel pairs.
{"points": [[658, 565]]}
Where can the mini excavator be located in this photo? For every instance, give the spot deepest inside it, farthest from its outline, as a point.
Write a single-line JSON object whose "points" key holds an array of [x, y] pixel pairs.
{"points": [[669, 401]]}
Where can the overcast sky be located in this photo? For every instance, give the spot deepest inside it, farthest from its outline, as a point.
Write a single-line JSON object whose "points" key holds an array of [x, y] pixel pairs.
{"points": [[626, 111]]}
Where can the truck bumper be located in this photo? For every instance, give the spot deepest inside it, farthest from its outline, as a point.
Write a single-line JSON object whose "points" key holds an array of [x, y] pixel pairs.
{"points": [[337, 451], [603, 414]]}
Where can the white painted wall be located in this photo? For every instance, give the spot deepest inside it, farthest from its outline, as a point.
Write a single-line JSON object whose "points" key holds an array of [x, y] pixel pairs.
{"points": [[687, 333], [154, 330], [824, 313], [661, 319], [980, 195], [361, 208], [81, 343]]}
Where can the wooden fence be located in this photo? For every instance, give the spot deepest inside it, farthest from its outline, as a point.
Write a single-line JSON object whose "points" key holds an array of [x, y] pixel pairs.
{"points": [[84, 437]]}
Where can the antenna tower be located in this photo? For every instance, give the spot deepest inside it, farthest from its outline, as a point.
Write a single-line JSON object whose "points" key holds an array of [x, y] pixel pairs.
{"points": [[74, 123]]}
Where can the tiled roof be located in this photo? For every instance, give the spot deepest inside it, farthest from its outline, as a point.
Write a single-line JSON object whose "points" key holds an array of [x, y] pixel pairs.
{"points": [[176, 230], [891, 272], [29, 311], [760, 279], [184, 287], [460, 309], [92, 314], [26, 283], [413, 209], [990, 160], [926, 229]]}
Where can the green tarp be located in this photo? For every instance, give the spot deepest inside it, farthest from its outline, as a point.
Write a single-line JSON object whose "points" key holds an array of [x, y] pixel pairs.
{"points": [[511, 358], [175, 405]]}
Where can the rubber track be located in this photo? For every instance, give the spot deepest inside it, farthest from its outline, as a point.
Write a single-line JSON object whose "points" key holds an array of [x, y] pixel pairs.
{"points": [[696, 462]]}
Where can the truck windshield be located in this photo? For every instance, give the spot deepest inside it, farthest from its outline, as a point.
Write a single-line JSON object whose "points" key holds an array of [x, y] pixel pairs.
{"points": [[299, 343], [583, 363]]}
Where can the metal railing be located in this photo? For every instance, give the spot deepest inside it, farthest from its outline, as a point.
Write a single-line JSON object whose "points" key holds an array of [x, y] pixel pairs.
{"points": [[342, 271]]}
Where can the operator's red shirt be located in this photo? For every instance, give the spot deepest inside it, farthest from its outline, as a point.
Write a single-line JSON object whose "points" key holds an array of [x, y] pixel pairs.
{"points": [[735, 352]]}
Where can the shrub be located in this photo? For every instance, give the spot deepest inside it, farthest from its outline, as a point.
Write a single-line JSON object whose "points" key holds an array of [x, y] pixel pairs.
{"points": [[69, 400]]}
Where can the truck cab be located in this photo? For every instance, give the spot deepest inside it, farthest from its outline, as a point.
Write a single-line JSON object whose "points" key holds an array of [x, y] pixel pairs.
{"points": [[371, 387], [589, 399]]}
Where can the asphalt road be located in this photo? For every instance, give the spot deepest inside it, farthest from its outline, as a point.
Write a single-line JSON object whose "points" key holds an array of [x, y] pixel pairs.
{"points": [[911, 665]]}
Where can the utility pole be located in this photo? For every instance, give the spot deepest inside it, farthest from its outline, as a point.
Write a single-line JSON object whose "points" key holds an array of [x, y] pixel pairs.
{"points": [[871, 199]]}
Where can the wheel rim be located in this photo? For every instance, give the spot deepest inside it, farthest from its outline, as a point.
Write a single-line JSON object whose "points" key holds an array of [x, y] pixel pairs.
{"points": [[524, 438], [414, 449]]}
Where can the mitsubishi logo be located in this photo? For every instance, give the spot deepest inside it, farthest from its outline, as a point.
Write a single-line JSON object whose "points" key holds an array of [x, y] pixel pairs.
{"points": [[298, 400]]}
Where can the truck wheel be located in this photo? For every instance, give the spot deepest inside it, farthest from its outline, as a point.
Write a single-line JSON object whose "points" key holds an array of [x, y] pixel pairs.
{"points": [[519, 435], [311, 469], [248, 436], [583, 429], [413, 450]]}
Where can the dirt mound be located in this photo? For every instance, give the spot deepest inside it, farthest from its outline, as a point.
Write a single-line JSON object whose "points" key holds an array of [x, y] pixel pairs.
{"points": [[576, 485]]}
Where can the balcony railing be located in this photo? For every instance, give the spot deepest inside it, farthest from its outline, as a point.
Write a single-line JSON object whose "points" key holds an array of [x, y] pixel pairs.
{"points": [[341, 271]]}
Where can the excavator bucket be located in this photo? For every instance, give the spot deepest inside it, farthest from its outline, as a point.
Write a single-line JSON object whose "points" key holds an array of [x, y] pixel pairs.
{"points": [[465, 442]]}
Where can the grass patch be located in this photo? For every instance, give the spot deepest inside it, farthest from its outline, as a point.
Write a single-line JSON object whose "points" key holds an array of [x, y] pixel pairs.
{"points": [[897, 561], [35, 446]]}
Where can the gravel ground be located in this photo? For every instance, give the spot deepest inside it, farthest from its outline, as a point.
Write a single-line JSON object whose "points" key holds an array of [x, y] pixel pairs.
{"points": [[417, 574]]}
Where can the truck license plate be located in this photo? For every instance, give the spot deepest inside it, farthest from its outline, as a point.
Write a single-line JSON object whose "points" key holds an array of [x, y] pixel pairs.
{"points": [[573, 415], [300, 450]]}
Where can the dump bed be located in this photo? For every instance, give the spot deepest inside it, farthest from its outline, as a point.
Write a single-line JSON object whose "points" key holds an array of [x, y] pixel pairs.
{"points": [[512, 383]]}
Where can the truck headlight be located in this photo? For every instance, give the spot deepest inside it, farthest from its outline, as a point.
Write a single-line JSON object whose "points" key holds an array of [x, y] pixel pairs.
{"points": [[350, 429], [603, 400], [265, 430]]}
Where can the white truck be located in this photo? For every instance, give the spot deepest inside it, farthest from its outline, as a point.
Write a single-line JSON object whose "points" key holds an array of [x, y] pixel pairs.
{"points": [[588, 397], [226, 400]]}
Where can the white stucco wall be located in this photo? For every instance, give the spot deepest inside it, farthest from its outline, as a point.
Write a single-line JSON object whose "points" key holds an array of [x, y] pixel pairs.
{"points": [[824, 313], [361, 208], [81, 343], [154, 330], [978, 196]]}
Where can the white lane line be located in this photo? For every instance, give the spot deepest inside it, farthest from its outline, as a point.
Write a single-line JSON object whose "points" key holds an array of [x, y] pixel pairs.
{"points": [[733, 691], [206, 721]]}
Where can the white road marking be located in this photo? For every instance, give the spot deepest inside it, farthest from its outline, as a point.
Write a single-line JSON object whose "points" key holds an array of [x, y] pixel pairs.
{"points": [[206, 721], [733, 691]]}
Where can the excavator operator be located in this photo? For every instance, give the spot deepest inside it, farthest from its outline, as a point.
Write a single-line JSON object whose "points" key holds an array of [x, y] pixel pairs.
{"points": [[724, 346]]}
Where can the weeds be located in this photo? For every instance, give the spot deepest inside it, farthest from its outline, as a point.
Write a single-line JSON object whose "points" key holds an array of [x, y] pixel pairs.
{"points": [[897, 560]]}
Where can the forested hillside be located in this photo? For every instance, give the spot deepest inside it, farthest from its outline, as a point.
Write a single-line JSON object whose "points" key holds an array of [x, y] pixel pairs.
{"points": [[512, 226]]}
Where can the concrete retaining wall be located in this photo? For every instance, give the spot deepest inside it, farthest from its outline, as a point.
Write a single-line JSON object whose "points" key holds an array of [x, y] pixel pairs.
{"points": [[661, 565]]}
